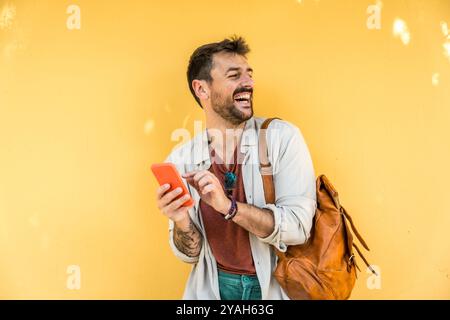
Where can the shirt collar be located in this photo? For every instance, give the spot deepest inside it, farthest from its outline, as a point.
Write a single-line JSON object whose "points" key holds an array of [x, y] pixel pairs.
{"points": [[200, 142]]}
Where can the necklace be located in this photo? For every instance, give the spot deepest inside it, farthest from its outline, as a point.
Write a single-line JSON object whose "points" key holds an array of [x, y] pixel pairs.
{"points": [[229, 175]]}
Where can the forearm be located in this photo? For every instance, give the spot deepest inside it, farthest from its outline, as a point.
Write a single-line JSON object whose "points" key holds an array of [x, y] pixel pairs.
{"points": [[258, 221], [187, 238]]}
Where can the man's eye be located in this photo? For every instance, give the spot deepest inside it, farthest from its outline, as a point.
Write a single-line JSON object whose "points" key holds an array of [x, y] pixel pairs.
{"points": [[233, 75]]}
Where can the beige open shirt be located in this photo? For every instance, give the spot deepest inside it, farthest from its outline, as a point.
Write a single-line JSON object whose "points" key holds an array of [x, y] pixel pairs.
{"points": [[294, 208]]}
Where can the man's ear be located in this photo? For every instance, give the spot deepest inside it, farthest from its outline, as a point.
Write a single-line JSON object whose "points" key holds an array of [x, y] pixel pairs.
{"points": [[201, 89]]}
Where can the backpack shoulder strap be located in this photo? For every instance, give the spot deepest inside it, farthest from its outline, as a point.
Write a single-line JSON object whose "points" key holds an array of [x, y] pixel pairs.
{"points": [[265, 166]]}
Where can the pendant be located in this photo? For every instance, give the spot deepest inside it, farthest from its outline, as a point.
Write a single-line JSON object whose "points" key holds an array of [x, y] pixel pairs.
{"points": [[230, 180]]}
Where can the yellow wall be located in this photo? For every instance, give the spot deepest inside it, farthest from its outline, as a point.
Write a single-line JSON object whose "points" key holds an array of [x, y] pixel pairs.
{"points": [[83, 114]]}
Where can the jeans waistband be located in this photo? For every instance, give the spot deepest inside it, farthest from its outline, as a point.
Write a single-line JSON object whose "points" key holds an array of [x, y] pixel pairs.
{"points": [[238, 277]]}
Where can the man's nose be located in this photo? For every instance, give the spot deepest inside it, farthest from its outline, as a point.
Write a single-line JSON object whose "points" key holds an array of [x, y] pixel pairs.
{"points": [[248, 82]]}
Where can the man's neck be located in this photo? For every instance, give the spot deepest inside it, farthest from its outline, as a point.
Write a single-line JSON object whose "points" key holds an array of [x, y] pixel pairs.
{"points": [[224, 136]]}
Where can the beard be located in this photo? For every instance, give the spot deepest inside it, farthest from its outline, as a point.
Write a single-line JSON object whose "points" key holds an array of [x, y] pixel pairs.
{"points": [[225, 107]]}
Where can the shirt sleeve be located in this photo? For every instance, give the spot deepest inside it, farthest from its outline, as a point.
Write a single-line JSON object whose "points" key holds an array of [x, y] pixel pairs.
{"points": [[295, 190]]}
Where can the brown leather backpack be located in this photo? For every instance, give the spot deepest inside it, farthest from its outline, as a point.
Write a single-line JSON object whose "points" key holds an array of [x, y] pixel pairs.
{"points": [[324, 267]]}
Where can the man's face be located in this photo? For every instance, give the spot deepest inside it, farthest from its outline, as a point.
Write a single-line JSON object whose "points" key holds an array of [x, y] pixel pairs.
{"points": [[232, 87]]}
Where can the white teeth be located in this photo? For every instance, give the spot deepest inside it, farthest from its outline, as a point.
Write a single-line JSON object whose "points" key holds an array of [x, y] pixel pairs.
{"points": [[242, 96]]}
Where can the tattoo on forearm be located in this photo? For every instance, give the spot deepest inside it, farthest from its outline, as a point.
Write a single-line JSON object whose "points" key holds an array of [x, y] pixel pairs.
{"points": [[189, 242]]}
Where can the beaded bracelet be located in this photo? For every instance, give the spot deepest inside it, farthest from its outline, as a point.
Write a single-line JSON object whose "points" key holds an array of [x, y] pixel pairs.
{"points": [[233, 210]]}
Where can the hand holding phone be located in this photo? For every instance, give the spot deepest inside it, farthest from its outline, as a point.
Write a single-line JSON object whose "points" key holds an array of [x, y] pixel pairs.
{"points": [[167, 173]]}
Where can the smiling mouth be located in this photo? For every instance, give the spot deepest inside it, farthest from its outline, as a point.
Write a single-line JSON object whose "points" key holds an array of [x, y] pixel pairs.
{"points": [[243, 99]]}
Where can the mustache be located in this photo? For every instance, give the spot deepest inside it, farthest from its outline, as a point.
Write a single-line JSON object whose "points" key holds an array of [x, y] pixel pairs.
{"points": [[239, 90]]}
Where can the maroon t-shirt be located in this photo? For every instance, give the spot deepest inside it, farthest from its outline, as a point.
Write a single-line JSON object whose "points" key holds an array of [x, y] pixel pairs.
{"points": [[229, 242]]}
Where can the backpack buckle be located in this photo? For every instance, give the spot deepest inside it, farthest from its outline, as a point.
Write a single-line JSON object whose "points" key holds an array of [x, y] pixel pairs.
{"points": [[351, 259]]}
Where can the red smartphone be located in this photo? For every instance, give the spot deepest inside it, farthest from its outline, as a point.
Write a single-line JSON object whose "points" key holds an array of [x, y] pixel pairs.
{"points": [[168, 173]]}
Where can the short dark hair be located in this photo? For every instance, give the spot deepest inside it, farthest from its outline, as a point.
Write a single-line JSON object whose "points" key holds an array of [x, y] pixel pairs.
{"points": [[201, 61]]}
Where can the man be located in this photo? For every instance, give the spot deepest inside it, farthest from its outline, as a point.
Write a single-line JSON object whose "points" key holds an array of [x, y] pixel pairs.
{"points": [[230, 233]]}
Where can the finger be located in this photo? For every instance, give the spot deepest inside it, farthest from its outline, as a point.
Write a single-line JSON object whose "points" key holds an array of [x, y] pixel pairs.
{"points": [[204, 181], [208, 188], [215, 179], [162, 190], [189, 174], [176, 204], [200, 174], [168, 197], [192, 180]]}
